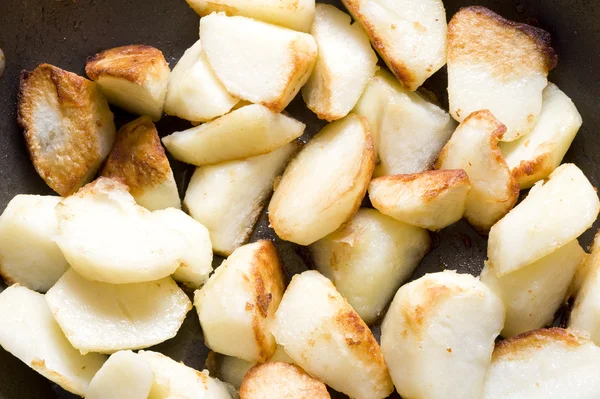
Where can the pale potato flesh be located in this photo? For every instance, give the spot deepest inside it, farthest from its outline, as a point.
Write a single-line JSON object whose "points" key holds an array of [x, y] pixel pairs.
{"points": [[245, 132], [438, 336], [28, 254], [256, 61], [587, 267], [227, 198], [124, 376], [106, 318], [345, 64], [325, 183], [368, 259], [533, 294], [30, 333], [554, 213], [138, 99], [323, 334]]}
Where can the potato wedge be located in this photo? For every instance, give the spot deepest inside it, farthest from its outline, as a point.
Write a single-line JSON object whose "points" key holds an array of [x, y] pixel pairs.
{"points": [[408, 130], [474, 148], [551, 364], [323, 334], [498, 65], [28, 254], [554, 213], [533, 293], [106, 237], [283, 381], [409, 35], [138, 160], [239, 325], [438, 336], [106, 318], [195, 93], [68, 127], [368, 259], [432, 199], [256, 61], [133, 77], [325, 184], [535, 156], [246, 132], [586, 268], [30, 333], [227, 198], [124, 376], [345, 64]]}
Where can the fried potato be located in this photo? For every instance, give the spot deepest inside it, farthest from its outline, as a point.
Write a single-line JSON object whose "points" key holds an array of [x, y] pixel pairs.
{"points": [[106, 318], [256, 61], [533, 293], [498, 65], [438, 336], [28, 254], [535, 156], [325, 184], [68, 127], [586, 267], [30, 333], [124, 376], [239, 325], [106, 237], [549, 364], [283, 381], [554, 213], [227, 198], [345, 64], [432, 199], [474, 148], [195, 93], [323, 334], [409, 35], [368, 259], [133, 77], [408, 131], [246, 132], [138, 160]]}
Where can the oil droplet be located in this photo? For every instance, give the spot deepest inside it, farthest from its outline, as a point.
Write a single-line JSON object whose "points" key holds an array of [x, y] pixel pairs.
{"points": [[2, 62]]}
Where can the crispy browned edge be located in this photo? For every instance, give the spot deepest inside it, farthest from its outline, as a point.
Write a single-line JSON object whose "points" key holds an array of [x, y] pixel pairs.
{"points": [[526, 169], [516, 348], [136, 63]]}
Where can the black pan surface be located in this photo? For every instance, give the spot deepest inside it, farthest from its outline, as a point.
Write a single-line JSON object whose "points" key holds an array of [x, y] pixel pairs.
{"points": [[65, 32]]}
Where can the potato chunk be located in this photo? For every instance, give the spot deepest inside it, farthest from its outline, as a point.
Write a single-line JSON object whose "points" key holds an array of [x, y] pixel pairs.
{"points": [[106, 318], [438, 336], [409, 35], [368, 259], [68, 127], [345, 64], [134, 78], [256, 61], [195, 93], [138, 160], [474, 148], [498, 65], [408, 131], [325, 184], [432, 199], [554, 213], [549, 364], [532, 294], [246, 132], [227, 198], [30, 333], [239, 325], [323, 334], [124, 376], [28, 254], [535, 156]]}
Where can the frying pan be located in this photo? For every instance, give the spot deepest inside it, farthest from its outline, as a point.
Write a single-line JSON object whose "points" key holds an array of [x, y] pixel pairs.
{"points": [[65, 32]]}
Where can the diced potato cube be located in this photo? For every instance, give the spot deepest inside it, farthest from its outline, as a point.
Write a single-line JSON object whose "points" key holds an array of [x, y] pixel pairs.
{"points": [[124, 376]]}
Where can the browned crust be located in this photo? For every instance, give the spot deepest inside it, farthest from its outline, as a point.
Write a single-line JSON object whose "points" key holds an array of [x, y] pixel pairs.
{"points": [[432, 295], [520, 346], [541, 165]]}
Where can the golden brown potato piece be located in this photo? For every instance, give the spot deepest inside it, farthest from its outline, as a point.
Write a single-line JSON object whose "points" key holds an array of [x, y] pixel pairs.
{"points": [[282, 381], [69, 129]]}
